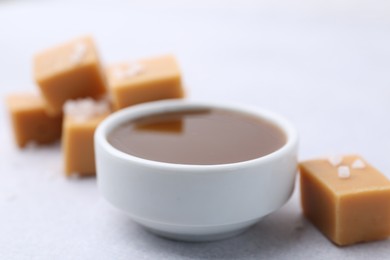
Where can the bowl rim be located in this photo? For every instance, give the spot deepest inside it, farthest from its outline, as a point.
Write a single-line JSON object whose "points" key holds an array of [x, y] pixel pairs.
{"points": [[172, 105]]}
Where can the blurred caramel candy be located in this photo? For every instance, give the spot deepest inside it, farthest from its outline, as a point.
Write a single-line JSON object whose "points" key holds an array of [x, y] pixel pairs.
{"points": [[30, 121], [349, 202], [144, 80], [69, 71], [80, 121]]}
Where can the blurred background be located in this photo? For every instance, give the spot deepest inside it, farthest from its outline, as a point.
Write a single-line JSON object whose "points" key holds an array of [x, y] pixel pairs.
{"points": [[322, 64]]}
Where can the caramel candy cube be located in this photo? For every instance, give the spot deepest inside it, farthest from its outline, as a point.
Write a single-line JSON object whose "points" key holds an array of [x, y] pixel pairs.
{"points": [[69, 71], [144, 80], [349, 201], [30, 121], [77, 140]]}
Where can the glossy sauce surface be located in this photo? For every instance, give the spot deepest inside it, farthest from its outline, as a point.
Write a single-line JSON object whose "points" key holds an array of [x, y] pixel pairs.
{"points": [[197, 137]]}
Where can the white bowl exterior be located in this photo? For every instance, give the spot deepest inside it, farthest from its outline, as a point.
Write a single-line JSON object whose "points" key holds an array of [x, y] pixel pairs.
{"points": [[194, 195]]}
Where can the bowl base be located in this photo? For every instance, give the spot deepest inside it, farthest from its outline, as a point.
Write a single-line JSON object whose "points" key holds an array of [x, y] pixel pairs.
{"points": [[197, 237]]}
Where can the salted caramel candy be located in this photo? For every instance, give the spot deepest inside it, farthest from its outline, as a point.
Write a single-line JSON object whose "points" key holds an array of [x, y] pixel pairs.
{"points": [[69, 71], [80, 121], [348, 202], [145, 80], [30, 122]]}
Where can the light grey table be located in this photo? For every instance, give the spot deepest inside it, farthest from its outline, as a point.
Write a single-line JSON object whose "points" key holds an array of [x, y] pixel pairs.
{"points": [[324, 67]]}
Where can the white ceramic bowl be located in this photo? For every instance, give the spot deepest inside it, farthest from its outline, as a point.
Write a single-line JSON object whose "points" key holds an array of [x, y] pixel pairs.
{"points": [[194, 202]]}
